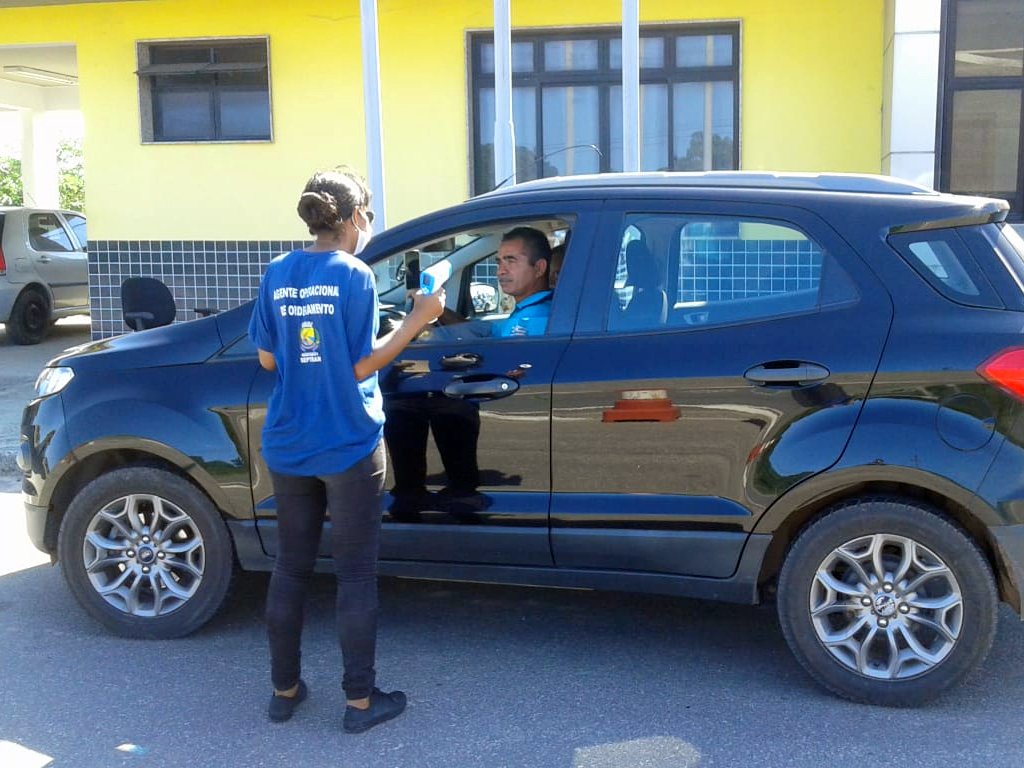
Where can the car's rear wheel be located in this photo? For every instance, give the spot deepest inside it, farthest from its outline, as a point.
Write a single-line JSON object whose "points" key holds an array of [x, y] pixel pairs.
{"points": [[29, 322], [886, 602], [146, 553]]}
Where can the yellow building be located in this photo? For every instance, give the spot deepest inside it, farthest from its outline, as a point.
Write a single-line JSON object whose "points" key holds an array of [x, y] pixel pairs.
{"points": [[203, 120]]}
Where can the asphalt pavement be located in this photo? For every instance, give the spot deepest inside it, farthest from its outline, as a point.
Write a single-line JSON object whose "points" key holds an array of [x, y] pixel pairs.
{"points": [[19, 367]]}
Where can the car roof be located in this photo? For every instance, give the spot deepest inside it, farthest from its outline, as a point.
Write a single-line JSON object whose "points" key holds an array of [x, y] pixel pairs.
{"points": [[862, 183]]}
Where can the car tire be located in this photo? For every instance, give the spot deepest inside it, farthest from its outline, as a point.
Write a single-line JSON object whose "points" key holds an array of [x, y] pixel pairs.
{"points": [[146, 553], [30, 320], [887, 602]]}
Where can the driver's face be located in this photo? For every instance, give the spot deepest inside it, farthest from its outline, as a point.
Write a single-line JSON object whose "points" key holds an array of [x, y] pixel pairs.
{"points": [[516, 275]]}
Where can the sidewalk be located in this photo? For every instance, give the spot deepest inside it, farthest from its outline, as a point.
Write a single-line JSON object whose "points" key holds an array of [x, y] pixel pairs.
{"points": [[19, 367]]}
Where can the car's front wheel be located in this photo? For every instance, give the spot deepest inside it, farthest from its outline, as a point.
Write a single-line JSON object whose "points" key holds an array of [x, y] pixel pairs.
{"points": [[886, 602], [146, 553], [29, 322]]}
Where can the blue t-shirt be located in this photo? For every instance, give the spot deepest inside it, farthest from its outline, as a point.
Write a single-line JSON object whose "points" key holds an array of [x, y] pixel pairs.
{"points": [[317, 314], [529, 318]]}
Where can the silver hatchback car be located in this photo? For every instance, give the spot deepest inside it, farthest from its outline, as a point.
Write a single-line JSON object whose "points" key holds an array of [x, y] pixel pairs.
{"points": [[44, 270]]}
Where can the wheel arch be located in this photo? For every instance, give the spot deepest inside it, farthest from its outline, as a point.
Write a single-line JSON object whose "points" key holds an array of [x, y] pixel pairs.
{"points": [[802, 506], [107, 458]]}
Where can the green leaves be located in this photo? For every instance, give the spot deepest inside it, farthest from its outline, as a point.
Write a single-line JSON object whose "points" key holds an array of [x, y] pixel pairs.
{"points": [[70, 178]]}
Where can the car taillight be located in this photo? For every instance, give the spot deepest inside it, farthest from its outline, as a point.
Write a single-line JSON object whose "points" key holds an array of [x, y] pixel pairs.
{"points": [[3, 264], [1006, 369]]}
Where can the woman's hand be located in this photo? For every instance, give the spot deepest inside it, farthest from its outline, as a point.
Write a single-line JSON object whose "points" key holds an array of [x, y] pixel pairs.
{"points": [[426, 308]]}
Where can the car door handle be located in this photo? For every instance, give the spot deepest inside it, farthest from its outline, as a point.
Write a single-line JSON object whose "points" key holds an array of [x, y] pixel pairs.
{"points": [[480, 387], [463, 361], [45, 259], [789, 372]]}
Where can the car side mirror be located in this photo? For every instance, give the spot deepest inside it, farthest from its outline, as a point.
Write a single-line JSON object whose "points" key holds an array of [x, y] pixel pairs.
{"points": [[484, 298]]}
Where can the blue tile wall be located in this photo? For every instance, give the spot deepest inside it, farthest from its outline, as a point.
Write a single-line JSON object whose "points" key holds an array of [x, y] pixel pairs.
{"points": [[200, 273]]}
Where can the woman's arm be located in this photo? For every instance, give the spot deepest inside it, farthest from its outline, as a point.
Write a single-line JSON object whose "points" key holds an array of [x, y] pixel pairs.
{"points": [[267, 360], [424, 309]]}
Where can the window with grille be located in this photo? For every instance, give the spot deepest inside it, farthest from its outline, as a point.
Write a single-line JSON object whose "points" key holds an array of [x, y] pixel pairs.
{"points": [[205, 90], [567, 101]]}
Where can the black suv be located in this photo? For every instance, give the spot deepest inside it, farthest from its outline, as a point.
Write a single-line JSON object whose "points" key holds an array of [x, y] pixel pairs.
{"points": [[751, 387]]}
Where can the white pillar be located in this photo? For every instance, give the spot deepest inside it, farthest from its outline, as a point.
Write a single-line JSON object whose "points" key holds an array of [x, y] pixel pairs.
{"points": [[630, 86], [39, 174], [372, 110], [910, 100], [504, 128]]}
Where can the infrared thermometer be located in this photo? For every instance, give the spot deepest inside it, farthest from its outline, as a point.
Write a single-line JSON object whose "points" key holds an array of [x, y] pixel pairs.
{"points": [[433, 278]]}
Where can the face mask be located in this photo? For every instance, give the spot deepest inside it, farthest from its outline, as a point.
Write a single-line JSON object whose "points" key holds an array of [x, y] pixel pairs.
{"points": [[362, 237]]}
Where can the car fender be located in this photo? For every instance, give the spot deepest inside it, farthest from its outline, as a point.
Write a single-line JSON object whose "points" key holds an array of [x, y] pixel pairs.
{"points": [[842, 482], [101, 429]]}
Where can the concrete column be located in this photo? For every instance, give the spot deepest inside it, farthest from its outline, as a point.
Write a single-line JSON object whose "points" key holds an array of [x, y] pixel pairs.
{"points": [[504, 128], [372, 111], [630, 86], [910, 100], [39, 174]]}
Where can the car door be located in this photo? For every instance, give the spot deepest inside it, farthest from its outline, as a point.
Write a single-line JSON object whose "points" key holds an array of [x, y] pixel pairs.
{"points": [[722, 355], [76, 224], [468, 415], [57, 259]]}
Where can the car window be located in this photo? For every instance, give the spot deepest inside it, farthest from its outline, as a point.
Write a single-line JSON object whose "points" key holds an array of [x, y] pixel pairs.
{"points": [[945, 262], [478, 305], [77, 224], [675, 271], [46, 233]]}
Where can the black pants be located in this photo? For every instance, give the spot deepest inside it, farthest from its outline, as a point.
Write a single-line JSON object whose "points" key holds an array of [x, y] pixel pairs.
{"points": [[353, 500]]}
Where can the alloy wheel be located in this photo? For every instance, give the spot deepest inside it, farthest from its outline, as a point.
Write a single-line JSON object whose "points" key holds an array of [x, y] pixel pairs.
{"points": [[886, 607]]}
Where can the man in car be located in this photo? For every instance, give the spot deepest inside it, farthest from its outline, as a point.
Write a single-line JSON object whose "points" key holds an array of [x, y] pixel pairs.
{"points": [[523, 258]]}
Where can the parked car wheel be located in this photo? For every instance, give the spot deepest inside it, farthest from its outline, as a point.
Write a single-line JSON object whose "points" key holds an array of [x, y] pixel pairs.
{"points": [[29, 322], [885, 602], [146, 553]]}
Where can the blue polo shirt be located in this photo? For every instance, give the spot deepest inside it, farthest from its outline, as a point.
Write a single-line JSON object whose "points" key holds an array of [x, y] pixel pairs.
{"points": [[529, 318], [317, 314]]}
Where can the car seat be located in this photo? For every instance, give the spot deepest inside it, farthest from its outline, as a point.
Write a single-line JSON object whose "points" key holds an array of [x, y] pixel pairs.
{"points": [[648, 306]]}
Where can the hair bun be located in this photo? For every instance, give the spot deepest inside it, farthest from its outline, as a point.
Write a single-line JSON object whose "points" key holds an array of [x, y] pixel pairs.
{"points": [[319, 210]]}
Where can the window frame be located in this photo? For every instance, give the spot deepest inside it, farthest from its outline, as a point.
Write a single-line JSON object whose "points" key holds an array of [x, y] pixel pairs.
{"points": [[949, 86], [603, 77], [147, 73]]}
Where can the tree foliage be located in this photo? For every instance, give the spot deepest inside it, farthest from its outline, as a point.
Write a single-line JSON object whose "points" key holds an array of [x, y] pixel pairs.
{"points": [[70, 178], [10, 181]]}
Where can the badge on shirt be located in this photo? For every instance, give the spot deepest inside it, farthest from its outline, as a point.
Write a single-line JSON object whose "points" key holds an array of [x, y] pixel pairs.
{"points": [[309, 343]]}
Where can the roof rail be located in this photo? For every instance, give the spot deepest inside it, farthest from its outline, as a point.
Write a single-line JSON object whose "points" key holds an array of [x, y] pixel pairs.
{"points": [[824, 182]]}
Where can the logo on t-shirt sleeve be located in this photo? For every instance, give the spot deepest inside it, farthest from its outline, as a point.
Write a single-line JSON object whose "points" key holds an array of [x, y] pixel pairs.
{"points": [[309, 343]]}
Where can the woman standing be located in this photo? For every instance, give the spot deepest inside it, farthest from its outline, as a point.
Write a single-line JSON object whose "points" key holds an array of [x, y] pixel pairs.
{"points": [[315, 322]]}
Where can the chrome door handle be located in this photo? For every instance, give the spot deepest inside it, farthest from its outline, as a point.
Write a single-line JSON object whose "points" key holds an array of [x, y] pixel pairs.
{"points": [[480, 388], [793, 373]]}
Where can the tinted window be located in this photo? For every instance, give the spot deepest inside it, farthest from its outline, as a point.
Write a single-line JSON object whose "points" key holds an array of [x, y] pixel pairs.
{"points": [[944, 261], [677, 270], [45, 233], [77, 224]]}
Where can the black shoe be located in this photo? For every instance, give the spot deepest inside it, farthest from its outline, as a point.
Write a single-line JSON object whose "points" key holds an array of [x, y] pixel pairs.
{"points": [[283, 707], [383, 707]]}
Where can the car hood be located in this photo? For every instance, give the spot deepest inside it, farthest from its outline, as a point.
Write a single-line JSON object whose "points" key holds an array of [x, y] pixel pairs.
{"points": [[177, 344]]}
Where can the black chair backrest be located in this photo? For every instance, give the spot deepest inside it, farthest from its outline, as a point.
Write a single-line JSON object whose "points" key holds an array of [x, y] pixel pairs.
{"points": [[146, 303]]}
